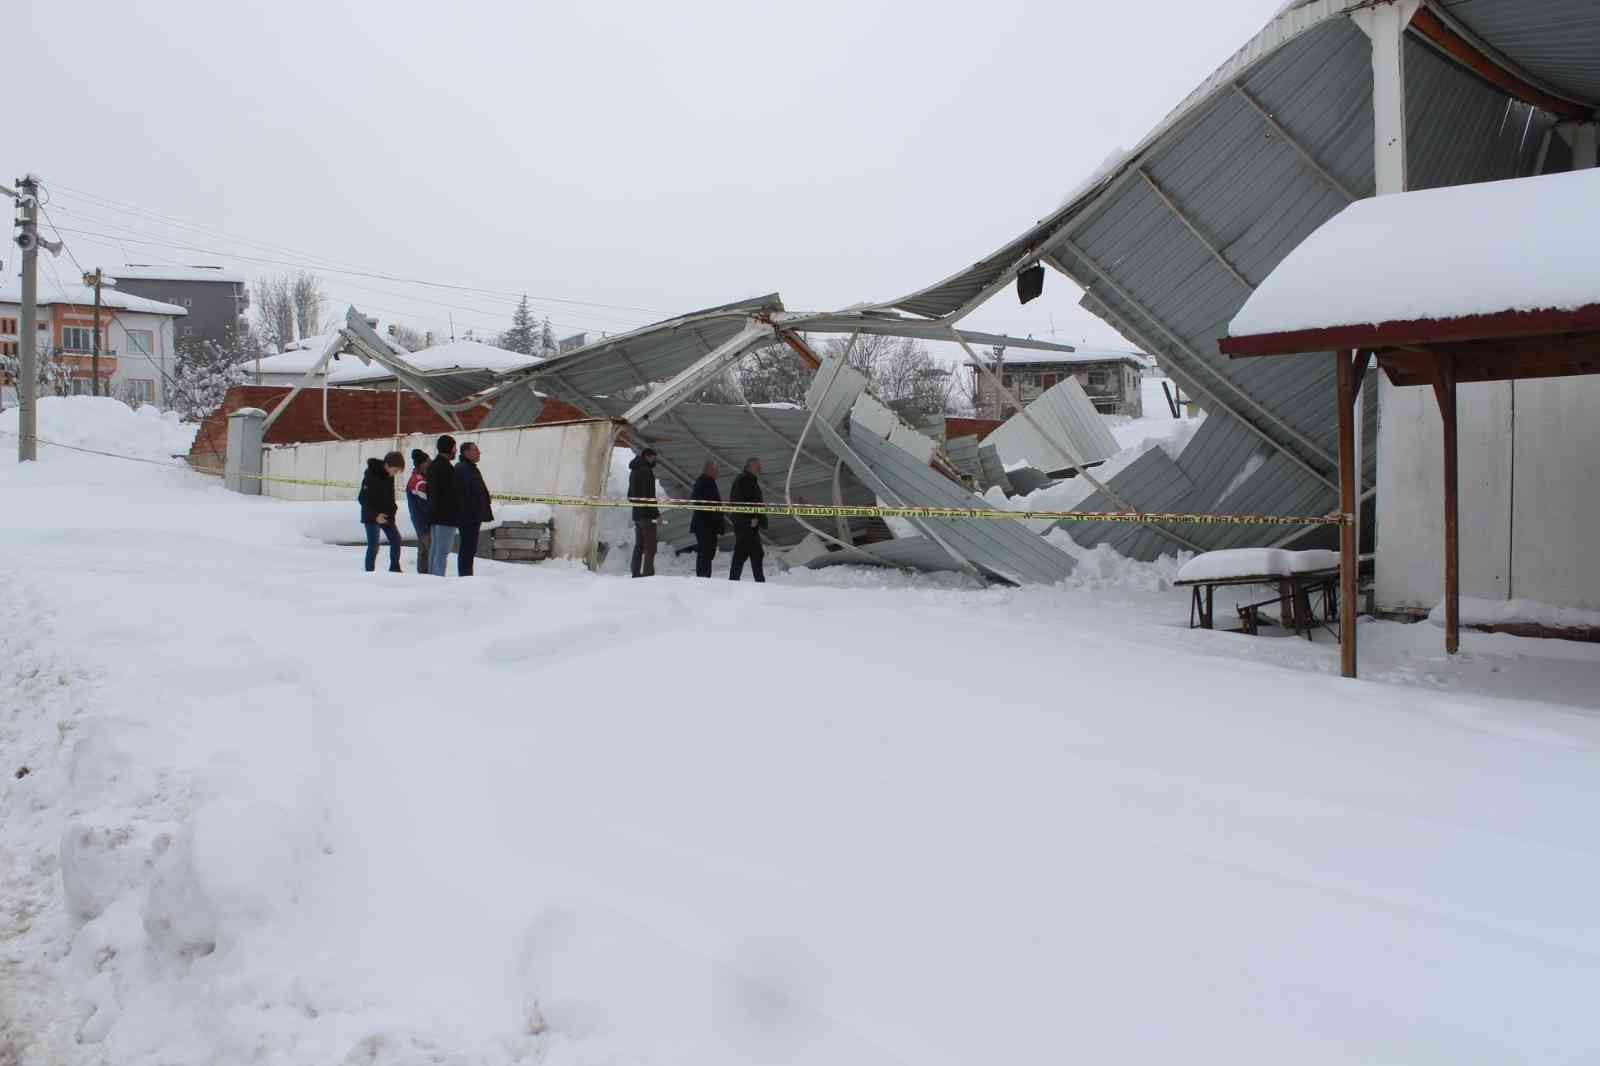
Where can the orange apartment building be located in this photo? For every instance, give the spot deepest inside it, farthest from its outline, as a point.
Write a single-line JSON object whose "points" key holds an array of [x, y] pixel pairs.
{"points": [[137, 340]]}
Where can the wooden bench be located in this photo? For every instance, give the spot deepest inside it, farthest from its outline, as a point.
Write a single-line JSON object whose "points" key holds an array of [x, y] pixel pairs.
{"points": [[1304, 580]]}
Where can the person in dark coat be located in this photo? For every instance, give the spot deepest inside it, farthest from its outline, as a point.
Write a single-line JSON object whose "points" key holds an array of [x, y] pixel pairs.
{"points": [[642, 487], [747, 527], [706, 526], [472, 506], [441, 478], [417, 505], [378, 507]]}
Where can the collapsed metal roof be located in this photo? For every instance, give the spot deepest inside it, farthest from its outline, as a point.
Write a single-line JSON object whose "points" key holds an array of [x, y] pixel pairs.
{"points": [[1169, 242]]}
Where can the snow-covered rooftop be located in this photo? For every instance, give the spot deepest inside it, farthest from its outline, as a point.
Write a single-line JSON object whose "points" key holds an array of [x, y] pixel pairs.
{"points": [[1082, 355], [78, 294], [455, 355], [1527, 244], [169, 272]]}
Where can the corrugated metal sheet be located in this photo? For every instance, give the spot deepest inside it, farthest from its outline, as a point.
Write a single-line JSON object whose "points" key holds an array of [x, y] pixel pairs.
{"points": [[963, 455], [516, 407], [1555, 41], [692, 433], [643, 356], [1060, 431], [1001, 549]]}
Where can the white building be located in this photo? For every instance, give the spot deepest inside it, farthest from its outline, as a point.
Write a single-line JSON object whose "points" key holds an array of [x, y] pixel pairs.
{"points": [[138, 338]]}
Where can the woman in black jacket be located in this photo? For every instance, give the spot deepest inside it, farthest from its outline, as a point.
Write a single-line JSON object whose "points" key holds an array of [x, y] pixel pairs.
{"points": [[378, 507]]}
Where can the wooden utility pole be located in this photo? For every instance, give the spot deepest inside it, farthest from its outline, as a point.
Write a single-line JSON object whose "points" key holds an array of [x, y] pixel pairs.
{"points": [[95, 279]]}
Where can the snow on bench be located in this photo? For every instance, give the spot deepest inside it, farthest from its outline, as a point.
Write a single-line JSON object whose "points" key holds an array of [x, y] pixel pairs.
{"points": [[1241, 564]]}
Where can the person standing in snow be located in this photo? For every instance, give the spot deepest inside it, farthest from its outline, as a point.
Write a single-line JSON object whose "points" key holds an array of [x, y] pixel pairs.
{"points": [[417, 505], [378, 507], [706, 526], [472, 507], [642, 488], [747, 527], [441, 479]]}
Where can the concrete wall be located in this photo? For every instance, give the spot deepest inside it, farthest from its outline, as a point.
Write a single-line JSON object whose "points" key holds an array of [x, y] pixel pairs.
{"points": [[1528, 511], [568, 459]]}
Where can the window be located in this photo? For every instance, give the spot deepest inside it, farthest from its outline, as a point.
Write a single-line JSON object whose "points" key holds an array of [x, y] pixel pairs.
{"points": [[1047, 381], [141, 390], [188, 331], [77, 339], [8, 348], [1005, 379], [141, 342], [80, 386], [1098, 378], [8, 326]]}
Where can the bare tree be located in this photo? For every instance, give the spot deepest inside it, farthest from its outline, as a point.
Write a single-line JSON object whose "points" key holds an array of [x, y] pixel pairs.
{"points": [[306, 293], [274, 307], [285, 302], [412, 340], [902, 371]]}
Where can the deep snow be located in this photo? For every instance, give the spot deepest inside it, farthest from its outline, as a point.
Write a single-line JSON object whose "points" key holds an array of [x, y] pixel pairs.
{"points": [[282, 811]]}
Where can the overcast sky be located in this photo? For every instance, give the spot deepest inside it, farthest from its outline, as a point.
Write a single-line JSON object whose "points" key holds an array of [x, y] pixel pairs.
{"points": [[645, 157]]}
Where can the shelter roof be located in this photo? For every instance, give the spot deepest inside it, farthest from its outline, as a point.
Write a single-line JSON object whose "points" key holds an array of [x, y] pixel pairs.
{"points": [[1525, 245]]}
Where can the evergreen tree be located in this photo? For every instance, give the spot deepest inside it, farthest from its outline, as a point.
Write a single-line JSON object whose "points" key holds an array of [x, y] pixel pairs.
{"points": [[523, 336], [547, 338]]}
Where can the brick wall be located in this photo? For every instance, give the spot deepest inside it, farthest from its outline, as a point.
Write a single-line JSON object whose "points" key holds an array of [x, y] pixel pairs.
{"points": [[358, 414]]}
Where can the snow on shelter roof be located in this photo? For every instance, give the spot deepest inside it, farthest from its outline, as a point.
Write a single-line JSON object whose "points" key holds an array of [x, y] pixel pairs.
{"points": [[1526, 244], [1082, 355]]}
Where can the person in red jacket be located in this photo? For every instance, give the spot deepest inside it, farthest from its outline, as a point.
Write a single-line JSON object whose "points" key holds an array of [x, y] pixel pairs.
{"points": [[417, 505]]}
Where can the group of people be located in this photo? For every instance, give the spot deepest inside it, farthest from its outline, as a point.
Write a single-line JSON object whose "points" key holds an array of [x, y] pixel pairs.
{"points": [[446, 499], [707, 526]]}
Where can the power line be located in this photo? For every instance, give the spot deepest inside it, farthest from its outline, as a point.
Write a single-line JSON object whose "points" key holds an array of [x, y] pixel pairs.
{"points": [[347, 268], [146, 240]]}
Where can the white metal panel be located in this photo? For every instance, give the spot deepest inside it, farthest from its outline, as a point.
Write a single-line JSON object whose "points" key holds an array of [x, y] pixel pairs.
{"points": [[1410, 556], [1556, 510], [1060, 430]]}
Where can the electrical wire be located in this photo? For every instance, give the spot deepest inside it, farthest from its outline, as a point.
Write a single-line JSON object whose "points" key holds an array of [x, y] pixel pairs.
{"points": [[332, 263]]}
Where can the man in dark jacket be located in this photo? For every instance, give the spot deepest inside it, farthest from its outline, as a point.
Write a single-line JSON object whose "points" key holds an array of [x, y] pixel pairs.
{"points": [[442, 508], [378, 508], [747, 527], [472, 506], [706, 526], [642, 487]]}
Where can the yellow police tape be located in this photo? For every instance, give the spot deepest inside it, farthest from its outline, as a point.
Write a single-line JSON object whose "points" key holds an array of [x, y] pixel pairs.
{"points": [[816, 510], [796, 510]]}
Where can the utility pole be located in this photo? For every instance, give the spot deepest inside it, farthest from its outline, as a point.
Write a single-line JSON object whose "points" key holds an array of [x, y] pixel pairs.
{"points": [[96, 278], [27, 197]]}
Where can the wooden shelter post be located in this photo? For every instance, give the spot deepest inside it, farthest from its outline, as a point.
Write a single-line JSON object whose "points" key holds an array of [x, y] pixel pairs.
{"points": [[1345, 380], [1444, 390]]}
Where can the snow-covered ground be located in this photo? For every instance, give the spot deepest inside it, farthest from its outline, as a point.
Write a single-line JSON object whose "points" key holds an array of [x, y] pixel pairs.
{"points": [[277, 810]]}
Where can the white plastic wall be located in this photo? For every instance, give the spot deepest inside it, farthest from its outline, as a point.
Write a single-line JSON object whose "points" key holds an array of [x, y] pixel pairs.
{"points": [[1527, 460], [569, 459]]}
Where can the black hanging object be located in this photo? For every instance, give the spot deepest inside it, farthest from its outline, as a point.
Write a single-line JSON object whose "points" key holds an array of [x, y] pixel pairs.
{"points": [[1030, 282]]}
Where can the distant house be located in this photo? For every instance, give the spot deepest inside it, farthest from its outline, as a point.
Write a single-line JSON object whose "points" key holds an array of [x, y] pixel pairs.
{"points": [[137, 338], [290, 365], [1111, 379], [214, 298], [464, 358]]}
